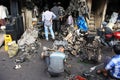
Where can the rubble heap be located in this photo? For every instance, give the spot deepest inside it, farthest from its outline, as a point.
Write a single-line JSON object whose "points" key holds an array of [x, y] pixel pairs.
{"points": [[28, 44], [86, 45], [78, 5]]}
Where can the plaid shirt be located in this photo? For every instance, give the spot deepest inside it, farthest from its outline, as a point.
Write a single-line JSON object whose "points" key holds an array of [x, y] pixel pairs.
{"points": [[114, 66]]}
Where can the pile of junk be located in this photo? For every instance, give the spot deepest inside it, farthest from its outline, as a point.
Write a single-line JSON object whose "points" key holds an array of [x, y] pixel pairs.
{"points": [[79, 42], [26, 47]]}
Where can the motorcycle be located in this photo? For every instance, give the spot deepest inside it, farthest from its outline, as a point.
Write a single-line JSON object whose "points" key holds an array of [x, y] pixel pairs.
{"points": [[109, 38]]}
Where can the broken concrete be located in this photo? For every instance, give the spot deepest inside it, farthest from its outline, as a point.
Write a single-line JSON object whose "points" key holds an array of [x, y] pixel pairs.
{"points": [[28, 44], [29, 37]]}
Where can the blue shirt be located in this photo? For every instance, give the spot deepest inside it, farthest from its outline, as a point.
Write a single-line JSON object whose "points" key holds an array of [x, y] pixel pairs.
{"points": [[56, 62], [114, 66]]}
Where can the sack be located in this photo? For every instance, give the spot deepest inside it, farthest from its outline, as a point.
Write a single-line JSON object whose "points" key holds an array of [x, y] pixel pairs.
{"points": [[12, 49]]}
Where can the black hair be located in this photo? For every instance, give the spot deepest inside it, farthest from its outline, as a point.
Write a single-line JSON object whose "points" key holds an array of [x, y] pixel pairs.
{"points": [[54, 4], [46, 8], [116, 48], [59, 46], [59, 3]]}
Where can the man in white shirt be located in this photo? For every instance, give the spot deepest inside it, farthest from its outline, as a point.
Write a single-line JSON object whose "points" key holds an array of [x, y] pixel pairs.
{"points": [[47, 18]]}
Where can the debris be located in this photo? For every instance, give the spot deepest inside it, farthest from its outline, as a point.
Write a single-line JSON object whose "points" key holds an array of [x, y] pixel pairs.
{"points": [[1, 39], [79, 6], [94, 67], [3, 59], [112, 21], [29, 37], [75, 77], [17, 67], [28, 45], [82, 44]]}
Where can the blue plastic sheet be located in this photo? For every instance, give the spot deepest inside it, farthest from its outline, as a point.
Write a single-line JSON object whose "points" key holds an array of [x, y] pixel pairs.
{"points": [[81, 23]]}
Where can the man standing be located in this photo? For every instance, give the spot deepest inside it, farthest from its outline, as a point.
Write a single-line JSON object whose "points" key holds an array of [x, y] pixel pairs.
{"points": [[70, 21], [56, 22], [61, 12], [61, 15], [47, 18]]}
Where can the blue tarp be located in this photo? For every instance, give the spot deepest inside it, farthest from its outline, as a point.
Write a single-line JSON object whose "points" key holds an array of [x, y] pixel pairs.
{"points": [[81, 23]]}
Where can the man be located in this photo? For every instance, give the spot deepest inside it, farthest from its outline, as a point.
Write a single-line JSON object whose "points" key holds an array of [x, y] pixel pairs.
{"points": [[47, 18], [112, 66], [56, 22], [61, 15], [56, 62], [70, 21], [61, 12]]}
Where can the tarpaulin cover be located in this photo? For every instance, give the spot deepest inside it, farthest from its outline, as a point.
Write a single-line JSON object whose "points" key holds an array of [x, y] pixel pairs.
{"points": [[81, 23]]}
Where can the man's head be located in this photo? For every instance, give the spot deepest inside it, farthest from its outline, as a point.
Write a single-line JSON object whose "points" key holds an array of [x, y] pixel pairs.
{"points": [[116, 48], [104, 24], [59, 3], [46, 8], [61, 48], [54, 4]]}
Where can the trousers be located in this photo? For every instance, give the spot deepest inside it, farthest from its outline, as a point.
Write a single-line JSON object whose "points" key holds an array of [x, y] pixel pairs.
{"points": [[56, 26], [46, 27]]}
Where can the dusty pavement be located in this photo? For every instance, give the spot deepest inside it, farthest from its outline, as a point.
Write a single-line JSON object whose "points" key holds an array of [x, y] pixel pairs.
{"points": [[34, 69]]}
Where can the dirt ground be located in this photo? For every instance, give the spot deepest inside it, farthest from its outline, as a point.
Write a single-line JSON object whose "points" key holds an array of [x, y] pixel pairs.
{"points": [[34, 69]]}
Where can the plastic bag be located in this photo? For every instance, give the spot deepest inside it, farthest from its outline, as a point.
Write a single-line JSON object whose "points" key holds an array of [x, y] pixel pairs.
{"points": [[81, 23]]}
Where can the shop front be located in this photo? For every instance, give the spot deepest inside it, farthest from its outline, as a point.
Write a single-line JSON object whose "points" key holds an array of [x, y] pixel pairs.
{"points": [[13, 19]]}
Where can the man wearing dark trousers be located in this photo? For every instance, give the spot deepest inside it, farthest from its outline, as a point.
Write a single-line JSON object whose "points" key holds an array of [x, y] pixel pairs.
{"points": [[56, 22], [61, 15]]}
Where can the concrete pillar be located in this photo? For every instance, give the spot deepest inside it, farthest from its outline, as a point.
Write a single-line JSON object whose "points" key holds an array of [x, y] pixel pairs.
{"points": [[89, 3], [28, 18], [14, 7]]}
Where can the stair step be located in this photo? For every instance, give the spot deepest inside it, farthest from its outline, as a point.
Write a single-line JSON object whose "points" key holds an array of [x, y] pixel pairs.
{"points": [[91, 23], [92, 27], [92, 15], [91, 19]]}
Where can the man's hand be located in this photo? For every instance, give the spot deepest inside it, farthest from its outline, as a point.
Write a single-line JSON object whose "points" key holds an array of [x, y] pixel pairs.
{"points": [[61, 18], [103, 71]]}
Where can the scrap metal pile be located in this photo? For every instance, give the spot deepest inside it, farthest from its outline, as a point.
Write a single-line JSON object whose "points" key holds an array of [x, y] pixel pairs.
{"points": [[84, 45], [79, 6]]}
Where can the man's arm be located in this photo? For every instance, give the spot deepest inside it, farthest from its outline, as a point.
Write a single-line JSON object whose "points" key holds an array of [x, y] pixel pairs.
{"points": [[43, 17], [110, 65], [53, 16]]}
